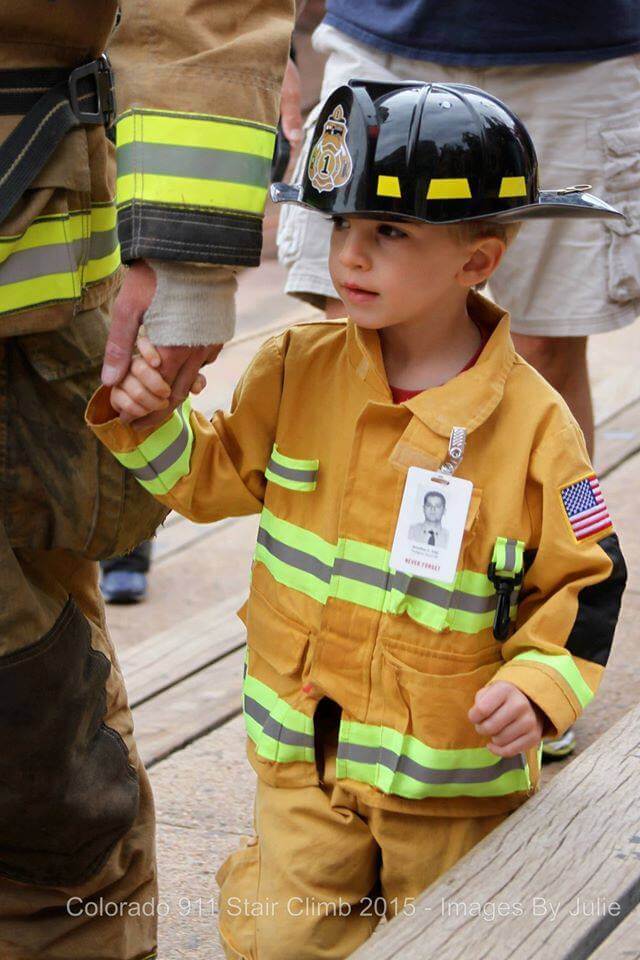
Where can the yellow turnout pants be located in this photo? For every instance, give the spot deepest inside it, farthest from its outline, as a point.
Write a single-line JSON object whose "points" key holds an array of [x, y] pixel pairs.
{"points": [[324, 867]]}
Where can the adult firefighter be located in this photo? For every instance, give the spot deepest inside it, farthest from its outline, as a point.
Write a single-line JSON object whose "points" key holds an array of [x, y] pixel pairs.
{"points": [[197, 90]]}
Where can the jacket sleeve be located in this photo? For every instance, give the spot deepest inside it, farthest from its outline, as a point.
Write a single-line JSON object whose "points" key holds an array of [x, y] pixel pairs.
{"points": [[198, 91], [572, 590], [205, 470]]}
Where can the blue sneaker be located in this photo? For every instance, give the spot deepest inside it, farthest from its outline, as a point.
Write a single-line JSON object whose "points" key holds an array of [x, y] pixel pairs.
{"points": [[123, 586]]}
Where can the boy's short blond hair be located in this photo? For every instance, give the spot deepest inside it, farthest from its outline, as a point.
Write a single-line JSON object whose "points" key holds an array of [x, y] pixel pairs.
{"points": [[468, 230]]}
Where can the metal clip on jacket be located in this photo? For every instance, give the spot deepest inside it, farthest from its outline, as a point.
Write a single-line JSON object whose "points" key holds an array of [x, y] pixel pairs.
{"points": [[505, 571]]}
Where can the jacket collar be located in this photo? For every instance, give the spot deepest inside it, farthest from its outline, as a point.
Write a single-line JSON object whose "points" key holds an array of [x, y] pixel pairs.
{"points": [[466, 400]]}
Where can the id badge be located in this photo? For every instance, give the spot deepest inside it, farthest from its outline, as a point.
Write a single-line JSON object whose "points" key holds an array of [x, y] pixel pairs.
{"points": [[431, 524]]}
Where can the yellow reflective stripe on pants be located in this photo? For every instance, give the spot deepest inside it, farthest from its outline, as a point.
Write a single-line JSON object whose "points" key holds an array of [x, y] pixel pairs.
{"points": [[193, 160], [164, 457], [57, 256]]}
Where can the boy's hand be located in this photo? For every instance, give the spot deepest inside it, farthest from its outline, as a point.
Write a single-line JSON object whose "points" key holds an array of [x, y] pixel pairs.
{"points": [[505, 714], [143, 390]]}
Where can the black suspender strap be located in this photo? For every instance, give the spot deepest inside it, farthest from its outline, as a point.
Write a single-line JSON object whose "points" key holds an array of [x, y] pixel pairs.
{"points": [[54, 102]]}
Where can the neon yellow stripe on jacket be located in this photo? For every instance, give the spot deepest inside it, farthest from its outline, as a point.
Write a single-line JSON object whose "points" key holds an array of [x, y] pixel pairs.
{"points": [[565, 665], [57, 256], [182, 159]]}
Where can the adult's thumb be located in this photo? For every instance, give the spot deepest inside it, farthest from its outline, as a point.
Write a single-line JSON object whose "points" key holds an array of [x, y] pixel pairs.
{"points": [[128, 312]]}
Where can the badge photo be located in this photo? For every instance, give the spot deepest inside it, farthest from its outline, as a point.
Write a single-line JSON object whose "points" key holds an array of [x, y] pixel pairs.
{"points": [[430, 525]]}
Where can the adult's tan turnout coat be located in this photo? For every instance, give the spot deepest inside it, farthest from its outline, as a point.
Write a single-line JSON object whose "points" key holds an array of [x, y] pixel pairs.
{"points": [[315, 444], [198, 88]]}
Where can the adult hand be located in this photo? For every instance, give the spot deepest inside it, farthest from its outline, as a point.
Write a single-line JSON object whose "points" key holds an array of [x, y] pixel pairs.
{"points": [[180, 366], [290, 105], [128, 312], [506, 714]]}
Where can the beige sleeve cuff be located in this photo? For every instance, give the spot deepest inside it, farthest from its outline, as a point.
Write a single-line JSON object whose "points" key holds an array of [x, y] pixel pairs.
{"points": [[194, 305]]}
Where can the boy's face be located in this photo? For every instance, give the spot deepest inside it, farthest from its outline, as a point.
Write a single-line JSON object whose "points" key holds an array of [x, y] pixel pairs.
{"points": [[388, 272]]}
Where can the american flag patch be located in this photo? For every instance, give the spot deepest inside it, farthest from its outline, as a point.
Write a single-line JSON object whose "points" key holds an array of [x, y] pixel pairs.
{"points": [[585, 507]]}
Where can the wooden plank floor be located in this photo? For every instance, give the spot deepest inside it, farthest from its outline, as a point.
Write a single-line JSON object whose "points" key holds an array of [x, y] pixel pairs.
{"points": [[553, 881]]}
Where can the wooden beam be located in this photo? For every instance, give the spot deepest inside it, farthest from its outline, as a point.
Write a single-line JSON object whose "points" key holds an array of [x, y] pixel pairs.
{"points": [[573, 848], [171, 656], [189, 709], [624, 942]]}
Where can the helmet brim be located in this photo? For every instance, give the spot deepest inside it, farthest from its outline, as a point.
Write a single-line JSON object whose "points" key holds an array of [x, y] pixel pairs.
{"points": [[550, 204], [556, 203]]}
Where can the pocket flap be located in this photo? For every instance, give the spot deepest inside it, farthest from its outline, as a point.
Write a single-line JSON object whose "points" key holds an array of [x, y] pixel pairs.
{"points": [[273, 636]]}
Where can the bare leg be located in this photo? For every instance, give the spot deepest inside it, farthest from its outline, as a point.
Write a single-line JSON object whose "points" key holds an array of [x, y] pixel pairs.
{"points": [[563, 362]]}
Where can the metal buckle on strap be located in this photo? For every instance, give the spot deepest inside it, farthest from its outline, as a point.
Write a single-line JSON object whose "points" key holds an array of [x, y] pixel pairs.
{"points": [[100, 71]]}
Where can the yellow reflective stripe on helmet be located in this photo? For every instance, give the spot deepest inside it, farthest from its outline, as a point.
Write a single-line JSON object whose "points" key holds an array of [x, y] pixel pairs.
{"points": [[513, 187], [565, 665], [291, 473], [56, 256], [193, 160], [388, 186], [455, 188], [400, 764], [164, 457]]}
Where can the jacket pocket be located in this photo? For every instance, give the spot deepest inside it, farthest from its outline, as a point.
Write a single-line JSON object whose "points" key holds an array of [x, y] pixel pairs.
{"points": [[428, 693], [435, 749], [67, 790], [293, 473], [276, 651], [622, 183]]}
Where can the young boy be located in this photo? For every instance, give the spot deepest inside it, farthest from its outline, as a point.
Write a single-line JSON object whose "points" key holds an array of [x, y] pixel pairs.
{"points": [[396, 690]]}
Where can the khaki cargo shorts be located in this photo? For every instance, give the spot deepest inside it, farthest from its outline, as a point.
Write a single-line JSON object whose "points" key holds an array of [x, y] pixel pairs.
{"points": [[560, 277]]}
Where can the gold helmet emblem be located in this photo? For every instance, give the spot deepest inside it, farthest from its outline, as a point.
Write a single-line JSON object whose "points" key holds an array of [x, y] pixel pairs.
{"points": [[330, 163]]}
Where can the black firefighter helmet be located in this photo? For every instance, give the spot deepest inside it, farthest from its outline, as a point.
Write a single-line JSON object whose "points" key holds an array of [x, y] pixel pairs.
{"points": [[436, 152]]}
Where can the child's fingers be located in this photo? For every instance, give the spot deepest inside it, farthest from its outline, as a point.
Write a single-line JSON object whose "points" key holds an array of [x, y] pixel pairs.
{"points": [[516, 746], [519, 727], [487, 701], [149, 352], [142, 397], [149, 377], [125, 405], [498, 720]]}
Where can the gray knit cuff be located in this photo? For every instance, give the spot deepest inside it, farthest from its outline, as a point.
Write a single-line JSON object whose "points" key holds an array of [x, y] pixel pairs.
{"points": [[194, 304]]}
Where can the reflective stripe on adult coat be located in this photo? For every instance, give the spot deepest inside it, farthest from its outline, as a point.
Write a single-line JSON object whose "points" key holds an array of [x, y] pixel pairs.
{"points": [[327, 616], [55, 257], [197, 91]]}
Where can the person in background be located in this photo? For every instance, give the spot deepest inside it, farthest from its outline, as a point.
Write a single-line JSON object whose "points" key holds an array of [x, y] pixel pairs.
{"points": [[572, 74]]}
